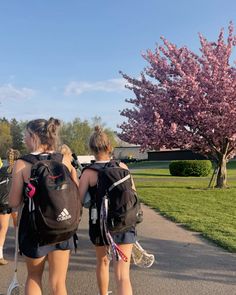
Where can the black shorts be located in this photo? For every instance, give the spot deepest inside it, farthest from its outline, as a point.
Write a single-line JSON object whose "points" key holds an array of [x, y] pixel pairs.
{"points": [[32, 250], [4, 209]]}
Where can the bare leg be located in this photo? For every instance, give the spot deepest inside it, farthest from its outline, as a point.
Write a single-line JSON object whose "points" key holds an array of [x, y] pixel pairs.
{"points": [[14, 216], [35, 267], [122, 270], [4, 221], [102, 270], [58, 264]]}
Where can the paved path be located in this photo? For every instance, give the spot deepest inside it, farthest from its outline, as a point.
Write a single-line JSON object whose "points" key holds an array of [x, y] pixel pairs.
{"points": [[186, 264]]}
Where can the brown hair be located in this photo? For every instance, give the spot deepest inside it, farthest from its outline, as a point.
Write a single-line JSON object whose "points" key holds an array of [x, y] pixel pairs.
{"points": [[99, 141], [46, 130], [12, 156]]}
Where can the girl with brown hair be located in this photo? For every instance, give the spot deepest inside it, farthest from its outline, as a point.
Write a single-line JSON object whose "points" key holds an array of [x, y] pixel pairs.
{"points": [[41, 139]]}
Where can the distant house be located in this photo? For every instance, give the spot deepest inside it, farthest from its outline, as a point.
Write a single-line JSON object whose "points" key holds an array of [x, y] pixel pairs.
{"points": [[125, 151], [129, 152], [175, 154]]}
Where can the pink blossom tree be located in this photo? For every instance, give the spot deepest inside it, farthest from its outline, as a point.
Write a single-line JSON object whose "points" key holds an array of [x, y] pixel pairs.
{"points": [[186, 100]]}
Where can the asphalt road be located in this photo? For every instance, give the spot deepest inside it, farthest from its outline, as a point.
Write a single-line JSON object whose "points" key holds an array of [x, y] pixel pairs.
{"points": [[185, 263]]}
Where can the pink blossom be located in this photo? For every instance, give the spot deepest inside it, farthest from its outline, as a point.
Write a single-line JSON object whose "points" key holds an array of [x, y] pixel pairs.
{"points": [[185, 100]]}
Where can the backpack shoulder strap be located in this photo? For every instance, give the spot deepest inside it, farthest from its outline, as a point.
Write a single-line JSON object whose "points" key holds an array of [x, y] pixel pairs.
{"points": [[93, 166], [55, 156], [29, 158], [32, 159], [113, 163]]}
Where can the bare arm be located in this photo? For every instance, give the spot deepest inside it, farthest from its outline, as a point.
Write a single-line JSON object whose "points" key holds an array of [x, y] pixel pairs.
{"points": [[83, 184], [122, 165], [87, 179], [16, 192]]}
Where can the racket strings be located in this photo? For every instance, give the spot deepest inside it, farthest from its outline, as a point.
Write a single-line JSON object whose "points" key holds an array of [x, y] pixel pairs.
{"points": [[140, 257], [15, 291]]}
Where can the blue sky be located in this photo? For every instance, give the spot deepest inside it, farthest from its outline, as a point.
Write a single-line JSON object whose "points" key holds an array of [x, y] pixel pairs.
{"points": [[62, 58]]}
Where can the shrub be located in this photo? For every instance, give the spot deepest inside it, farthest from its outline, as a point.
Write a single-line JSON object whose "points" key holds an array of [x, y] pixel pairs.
{"points": [[190, 168]]}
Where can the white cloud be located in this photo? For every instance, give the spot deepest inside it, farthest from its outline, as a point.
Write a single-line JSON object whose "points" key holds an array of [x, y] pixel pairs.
{"points": [[10, 92], [77, 88]]}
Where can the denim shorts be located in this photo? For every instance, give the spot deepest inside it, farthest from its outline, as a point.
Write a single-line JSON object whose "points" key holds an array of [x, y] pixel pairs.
{"points": [[127, 237]]}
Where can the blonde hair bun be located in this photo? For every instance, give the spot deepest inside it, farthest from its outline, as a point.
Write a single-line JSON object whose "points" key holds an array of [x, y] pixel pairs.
{"points": [[99, 141], [98, 129]]}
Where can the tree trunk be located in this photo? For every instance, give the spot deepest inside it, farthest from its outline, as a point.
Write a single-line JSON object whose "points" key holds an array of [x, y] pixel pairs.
{"points": [[221, 181]]}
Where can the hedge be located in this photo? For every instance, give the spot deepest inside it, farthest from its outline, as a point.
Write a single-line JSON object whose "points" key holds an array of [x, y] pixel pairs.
{"points": [[190, 168]]}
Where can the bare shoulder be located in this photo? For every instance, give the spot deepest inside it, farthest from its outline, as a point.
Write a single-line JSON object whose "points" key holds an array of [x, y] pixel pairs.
{"points": [[21, 164], [88, 172], [89, 177], [123, 165], [22, 169]]}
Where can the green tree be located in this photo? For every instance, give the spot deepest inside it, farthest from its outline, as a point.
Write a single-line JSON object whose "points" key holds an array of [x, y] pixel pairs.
{"points": [[76, 136], [5, 137], [17, 135]]}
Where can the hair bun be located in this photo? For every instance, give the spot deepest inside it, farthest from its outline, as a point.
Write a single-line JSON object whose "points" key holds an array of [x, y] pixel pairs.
{"points": [[56, 122], [99, 141], [47, 132], [52, 125], [98, 129]]}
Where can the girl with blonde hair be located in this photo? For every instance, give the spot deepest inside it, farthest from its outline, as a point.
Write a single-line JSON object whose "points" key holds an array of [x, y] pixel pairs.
{"points": [[101, 147]]}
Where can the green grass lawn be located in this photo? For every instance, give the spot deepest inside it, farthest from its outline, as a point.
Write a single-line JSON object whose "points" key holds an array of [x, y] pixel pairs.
{"points": [[187, 200]]}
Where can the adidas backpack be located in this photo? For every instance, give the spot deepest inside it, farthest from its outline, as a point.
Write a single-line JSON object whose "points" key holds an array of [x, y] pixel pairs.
{"points": [[51, 199], [5, 185], [123, 206]]}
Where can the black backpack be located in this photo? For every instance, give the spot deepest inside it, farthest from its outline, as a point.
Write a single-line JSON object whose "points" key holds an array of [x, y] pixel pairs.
{"points": [[5, 185], [114, 183], [51, 199]]}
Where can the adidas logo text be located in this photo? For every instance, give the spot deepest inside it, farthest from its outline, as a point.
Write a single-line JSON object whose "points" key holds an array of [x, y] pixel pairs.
{"points": [[64, 215]]}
